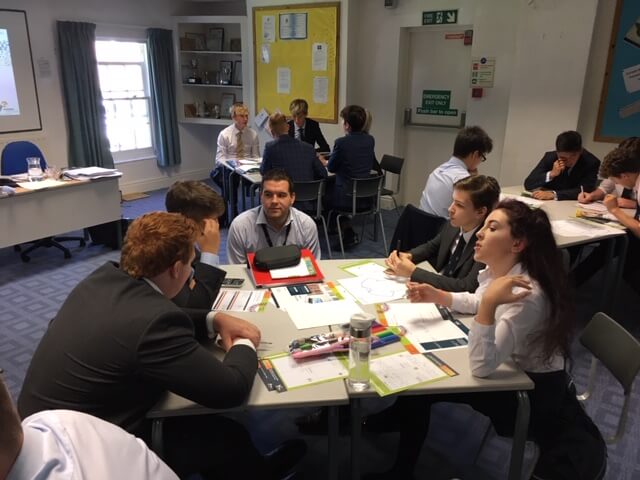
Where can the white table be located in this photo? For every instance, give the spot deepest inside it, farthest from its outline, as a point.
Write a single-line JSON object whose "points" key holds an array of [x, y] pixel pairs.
{"points": [[565, 209], [33, 214], [278, 329]]}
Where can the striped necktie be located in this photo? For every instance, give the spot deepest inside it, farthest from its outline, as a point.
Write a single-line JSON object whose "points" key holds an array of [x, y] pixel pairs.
{"points": [[239, 145]]}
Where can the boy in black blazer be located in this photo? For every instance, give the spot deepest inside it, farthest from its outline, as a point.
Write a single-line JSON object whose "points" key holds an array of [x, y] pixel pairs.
{"points": [[305, 129]]}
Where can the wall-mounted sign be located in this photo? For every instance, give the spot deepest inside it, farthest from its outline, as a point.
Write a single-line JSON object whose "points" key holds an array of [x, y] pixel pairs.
{"points": [[483, 70], [440, 17], [436, 102]]}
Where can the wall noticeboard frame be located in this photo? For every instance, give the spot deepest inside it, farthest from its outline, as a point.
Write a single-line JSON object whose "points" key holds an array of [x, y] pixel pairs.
{"points": [[619, 109], [313, 61]]}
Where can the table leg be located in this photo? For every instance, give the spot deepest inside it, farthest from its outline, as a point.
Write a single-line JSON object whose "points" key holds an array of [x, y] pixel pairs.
{"points": [[519, 436], [356, 437], [233, 197], [607, 293], [157, 444], [623, 242], [332, 443]]}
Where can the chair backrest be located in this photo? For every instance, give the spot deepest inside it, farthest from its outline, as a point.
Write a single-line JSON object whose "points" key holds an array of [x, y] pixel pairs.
{"points": [[614, 347], [415, 227], [392, 164], [310, 191], [365, 187], [14, 157]]}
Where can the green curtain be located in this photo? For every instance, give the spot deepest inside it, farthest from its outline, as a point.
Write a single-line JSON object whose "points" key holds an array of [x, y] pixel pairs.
{"points": [[88, 142], [163, 96]]}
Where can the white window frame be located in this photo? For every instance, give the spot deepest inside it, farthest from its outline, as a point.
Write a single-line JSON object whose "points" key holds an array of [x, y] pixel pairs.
{"points": [[137, 154]]}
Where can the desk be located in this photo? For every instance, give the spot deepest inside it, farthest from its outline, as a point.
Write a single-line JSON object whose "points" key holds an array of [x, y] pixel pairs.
{"points": [[565, 209], [230, 169], [33, 214], [277, 328]]}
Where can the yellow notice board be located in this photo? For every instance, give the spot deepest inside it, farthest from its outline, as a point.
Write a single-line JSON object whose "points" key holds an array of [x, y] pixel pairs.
{"points": [[296, 56]]}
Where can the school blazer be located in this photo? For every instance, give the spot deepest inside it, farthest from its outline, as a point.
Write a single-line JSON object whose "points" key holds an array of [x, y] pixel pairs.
{"points": [[311, 134]]}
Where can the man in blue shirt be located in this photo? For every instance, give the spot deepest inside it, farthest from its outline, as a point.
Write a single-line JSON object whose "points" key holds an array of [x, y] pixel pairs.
{"points": [[469, 150]]}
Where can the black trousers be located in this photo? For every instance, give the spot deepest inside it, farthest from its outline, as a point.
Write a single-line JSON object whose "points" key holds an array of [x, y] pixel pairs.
{"points": [[414, 413], [215, 446]]}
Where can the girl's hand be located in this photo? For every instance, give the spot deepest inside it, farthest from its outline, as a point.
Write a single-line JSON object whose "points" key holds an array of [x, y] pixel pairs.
{"points": [[400, 263], [500, 291]]}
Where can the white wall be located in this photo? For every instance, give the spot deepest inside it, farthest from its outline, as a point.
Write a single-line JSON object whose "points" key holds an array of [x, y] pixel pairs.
{"points": [[196, 141]]}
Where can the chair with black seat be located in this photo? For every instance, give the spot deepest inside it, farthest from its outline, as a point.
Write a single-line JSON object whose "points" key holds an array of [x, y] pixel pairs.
{"points": [[309, 200], [365, 200], [619, 351], [12, 162], [414, 228], [391, 164]]}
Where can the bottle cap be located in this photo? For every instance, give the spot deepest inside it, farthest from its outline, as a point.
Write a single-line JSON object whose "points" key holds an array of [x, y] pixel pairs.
{"points": [[362, 320]]}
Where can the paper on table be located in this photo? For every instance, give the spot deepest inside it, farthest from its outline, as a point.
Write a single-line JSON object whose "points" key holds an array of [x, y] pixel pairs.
{"points": [[231, 300], [426, 329], [594, 207], [365, 268], [300, 270], [532, 202], [309, 315], [309, 293], [400, 371], [374, 289], [577, 228], [47, 183], [301, 373]]}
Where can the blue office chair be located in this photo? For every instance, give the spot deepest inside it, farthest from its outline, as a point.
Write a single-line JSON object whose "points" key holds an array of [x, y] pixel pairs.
{"points": [[13, 161]]}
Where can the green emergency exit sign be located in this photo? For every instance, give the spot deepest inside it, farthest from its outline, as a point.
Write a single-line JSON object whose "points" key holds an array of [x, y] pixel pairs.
{"points": [[436, 102], [440, 17]]}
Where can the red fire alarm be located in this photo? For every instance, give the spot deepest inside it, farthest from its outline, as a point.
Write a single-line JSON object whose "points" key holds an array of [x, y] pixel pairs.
{"points": [[468, 37], [476, 92]]}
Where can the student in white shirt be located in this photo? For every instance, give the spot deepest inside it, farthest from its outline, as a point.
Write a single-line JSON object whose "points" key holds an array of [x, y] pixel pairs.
{"points": [[68, 445], [469, 150], [522, 313]]}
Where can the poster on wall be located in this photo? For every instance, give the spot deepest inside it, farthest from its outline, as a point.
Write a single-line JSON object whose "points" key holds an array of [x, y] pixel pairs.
{"points": [[19, 110], [619, 112]]}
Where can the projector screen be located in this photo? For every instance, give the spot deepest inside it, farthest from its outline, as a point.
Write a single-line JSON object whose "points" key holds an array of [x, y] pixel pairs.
{"points": [[19, 110]]}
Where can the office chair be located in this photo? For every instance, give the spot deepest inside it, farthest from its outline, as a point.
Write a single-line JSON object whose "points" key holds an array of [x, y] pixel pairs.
{"points": [[619, 351], [391, 164], [12, 162], [414, 228], [312, 191], [361, 189]]}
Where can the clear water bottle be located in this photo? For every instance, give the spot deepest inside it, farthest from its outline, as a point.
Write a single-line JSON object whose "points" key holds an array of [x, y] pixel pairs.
{"points": [[359, 350]]}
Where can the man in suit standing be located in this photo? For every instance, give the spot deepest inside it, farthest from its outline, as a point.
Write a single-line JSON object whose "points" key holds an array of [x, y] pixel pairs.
{"points": [[303, 128], [563, 174], [118, 344], [450, 253], [203, 205], [295, 157]]}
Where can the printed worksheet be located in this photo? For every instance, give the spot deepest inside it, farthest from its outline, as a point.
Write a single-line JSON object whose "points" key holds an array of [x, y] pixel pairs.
{"points": [[301, 373]]}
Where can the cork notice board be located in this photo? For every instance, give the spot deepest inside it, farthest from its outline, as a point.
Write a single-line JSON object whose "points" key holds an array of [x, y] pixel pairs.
{"points": [[296, 56]]}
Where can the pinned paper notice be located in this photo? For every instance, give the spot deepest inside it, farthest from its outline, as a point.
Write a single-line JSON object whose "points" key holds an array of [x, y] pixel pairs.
{"points": [[284, 80], [631, 76], [319, 57], [269, 28], [320, 89], [265, 53]]}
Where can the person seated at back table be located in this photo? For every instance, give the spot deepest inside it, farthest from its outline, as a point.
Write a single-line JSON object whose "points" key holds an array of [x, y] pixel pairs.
{"points": [[609, 187], [353, 156], [522, 313], [471, 147], [303, 128], [274, 223], [203, 205], [291, 155], [63, 444], [565, 172], [118, 345], [451, 251]]}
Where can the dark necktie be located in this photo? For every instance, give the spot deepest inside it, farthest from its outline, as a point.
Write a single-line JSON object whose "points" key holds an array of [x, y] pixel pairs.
{"points": [[455, 258], [301, 134]]}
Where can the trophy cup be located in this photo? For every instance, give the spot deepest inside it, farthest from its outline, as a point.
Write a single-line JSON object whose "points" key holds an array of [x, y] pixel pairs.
{"points": [[194, 77]]}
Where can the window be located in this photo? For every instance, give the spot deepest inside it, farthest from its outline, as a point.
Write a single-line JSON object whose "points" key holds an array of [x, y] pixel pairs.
{"points": [[124, 82]]}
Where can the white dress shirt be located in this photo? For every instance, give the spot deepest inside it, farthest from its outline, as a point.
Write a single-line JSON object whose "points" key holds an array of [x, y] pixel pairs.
{"points": [[438, 192], [67, 445], [516, 324], [228, 143]]}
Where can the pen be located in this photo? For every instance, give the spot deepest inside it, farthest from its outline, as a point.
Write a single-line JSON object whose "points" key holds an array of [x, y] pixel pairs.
{"points": [[398, 247], [581, 190]]}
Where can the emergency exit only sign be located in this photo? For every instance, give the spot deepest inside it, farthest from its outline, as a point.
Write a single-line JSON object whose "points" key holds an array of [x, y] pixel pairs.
{"points": [[440, 17]]}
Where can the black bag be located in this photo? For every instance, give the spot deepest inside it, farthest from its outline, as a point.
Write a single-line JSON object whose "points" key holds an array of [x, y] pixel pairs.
{"points": [[277, 257], [574, 448], [107, 233]]}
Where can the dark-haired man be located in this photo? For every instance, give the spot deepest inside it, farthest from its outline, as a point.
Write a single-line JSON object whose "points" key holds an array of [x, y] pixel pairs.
{"points": [[274, 223], [450, 253], [565, 172], [469, 150]]}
